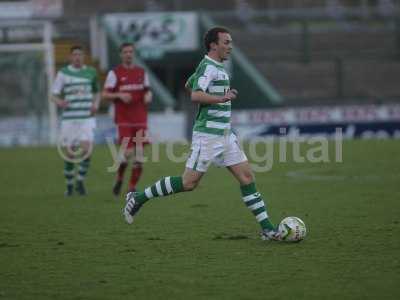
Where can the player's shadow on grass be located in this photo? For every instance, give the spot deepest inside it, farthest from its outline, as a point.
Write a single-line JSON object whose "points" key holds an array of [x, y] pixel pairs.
{"points": [[199, 206], [228, 237], [6, 245]]}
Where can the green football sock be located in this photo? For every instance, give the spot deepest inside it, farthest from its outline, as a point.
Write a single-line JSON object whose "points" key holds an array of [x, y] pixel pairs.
{"points": [[69, 172], [83, 168], [255, 203], [163, 187]]}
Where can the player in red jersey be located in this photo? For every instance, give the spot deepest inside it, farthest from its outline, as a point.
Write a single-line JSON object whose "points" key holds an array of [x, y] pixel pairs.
{"points": [[127, 86]]}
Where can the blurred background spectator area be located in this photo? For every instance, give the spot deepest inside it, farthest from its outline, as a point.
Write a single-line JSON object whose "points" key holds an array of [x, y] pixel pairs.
{"points": [[288, 53]]}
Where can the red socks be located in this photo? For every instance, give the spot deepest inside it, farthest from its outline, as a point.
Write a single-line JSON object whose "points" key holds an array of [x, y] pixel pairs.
{"points": [[135, 175]]}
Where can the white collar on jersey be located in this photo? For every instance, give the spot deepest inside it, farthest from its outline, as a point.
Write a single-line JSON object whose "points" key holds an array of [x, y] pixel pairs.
{"points": [[214, 61], [73, 69]]}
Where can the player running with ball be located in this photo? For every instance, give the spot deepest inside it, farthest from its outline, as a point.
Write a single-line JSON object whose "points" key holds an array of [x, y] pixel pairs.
{"points": [[213, 140]]}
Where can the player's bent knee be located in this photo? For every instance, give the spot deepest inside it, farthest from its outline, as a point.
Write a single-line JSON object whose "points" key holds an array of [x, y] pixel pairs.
{"points": [[190, 179], [189, 185]]}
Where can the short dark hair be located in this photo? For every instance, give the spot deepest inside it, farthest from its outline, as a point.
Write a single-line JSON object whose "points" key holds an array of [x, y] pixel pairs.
{"points": [[211, 36], [126, 44], [75, 47]]}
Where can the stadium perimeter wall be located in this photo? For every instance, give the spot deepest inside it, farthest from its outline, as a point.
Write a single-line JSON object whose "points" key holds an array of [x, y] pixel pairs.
{"points": [[356, 121]]}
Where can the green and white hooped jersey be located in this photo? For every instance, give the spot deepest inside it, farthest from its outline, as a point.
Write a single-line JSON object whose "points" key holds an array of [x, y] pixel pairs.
{"points": [[211, 77], [77, 86]]}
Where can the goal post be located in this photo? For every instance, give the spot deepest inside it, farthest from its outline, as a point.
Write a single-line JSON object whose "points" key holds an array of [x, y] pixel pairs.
{"points": [[27, 53]]}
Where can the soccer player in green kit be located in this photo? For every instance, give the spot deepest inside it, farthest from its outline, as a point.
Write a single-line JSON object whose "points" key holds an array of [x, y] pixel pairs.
{"points": [[76, 92], [213, 140]]}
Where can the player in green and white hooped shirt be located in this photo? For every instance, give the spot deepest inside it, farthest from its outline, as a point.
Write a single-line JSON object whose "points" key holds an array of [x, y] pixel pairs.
{"points": [[213, 141], [76, 92]]}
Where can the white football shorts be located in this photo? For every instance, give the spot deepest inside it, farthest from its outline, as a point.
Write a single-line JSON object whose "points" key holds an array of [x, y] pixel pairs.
{"points": [[75, 131], [207, 149]]}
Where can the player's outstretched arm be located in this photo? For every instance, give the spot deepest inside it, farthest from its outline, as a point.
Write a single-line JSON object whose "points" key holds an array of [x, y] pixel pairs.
{"points": [[204, 98]]}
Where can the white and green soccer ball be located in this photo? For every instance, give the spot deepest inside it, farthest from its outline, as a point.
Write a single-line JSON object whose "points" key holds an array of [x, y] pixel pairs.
{"points": [[292, 229]]}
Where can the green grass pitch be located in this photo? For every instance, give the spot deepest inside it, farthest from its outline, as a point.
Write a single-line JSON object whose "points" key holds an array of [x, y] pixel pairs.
{"points": [[202, 245]]}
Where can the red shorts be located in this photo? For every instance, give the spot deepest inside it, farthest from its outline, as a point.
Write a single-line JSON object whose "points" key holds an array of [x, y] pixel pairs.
{"points": [[132, 135]]}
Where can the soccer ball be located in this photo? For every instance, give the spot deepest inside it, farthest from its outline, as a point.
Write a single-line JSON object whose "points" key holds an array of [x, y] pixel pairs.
{"points": [[292, 229]]}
